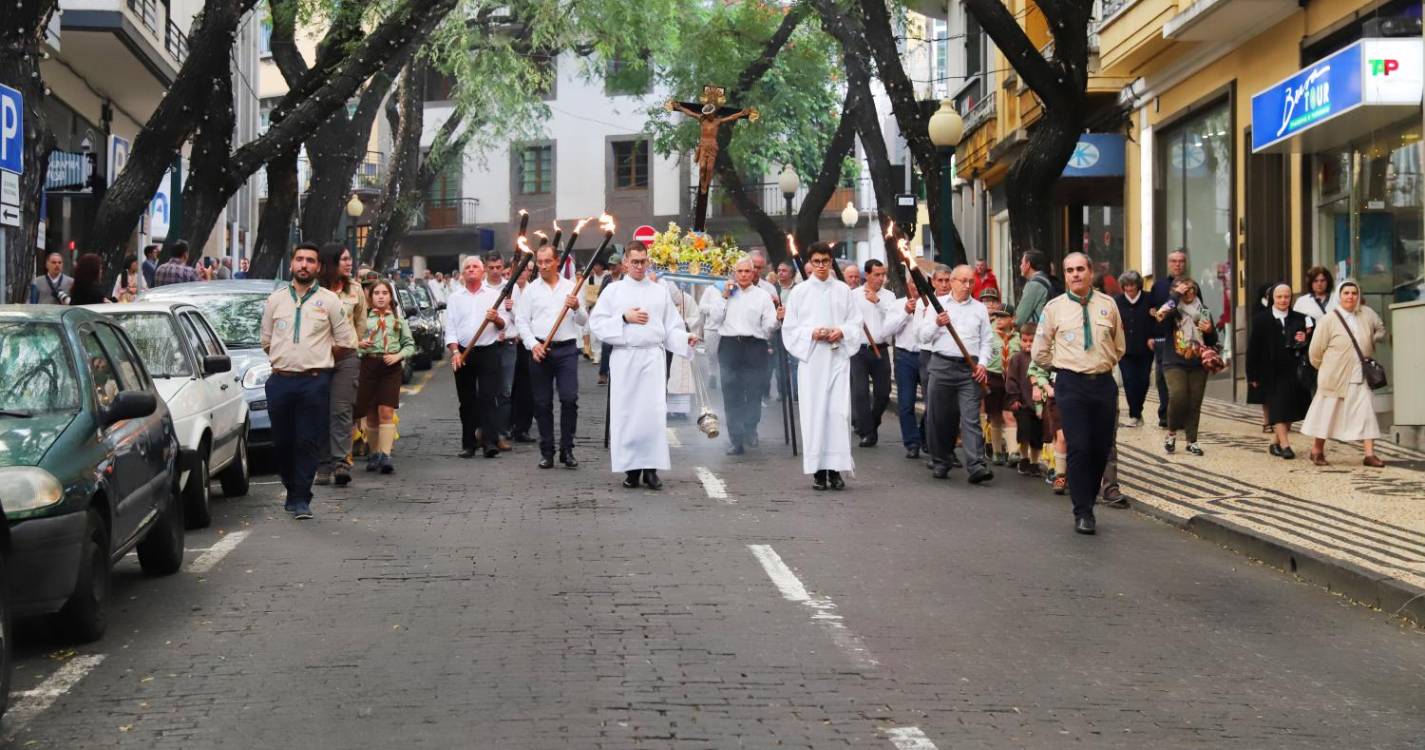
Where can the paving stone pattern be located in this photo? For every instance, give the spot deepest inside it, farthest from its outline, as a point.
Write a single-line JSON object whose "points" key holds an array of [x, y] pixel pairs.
{"points": [[488, 604]]}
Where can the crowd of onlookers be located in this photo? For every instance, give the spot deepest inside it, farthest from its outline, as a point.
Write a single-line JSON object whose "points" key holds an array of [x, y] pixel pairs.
{"points": [[87, 286]]}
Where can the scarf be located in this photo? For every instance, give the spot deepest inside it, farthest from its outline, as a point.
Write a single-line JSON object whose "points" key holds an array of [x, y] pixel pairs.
{"points": [[1088, 321], [1188, 340], [297, 323]]}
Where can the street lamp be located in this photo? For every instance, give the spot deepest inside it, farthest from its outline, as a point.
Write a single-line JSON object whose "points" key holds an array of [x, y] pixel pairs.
{"points": [[849, 217], [789, 182], [945, 130], [354, 207]]}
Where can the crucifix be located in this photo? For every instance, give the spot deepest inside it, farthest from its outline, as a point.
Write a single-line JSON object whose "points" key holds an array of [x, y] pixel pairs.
{"points": [[711, 115]]}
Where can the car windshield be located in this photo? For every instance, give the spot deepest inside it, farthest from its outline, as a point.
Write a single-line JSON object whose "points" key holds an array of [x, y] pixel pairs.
{"points": [[158, 342], [36, 372], [407, 303], [422, 295], [236, 317]]}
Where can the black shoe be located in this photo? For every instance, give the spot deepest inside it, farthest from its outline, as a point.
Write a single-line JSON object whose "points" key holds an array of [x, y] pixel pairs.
{"points": [[468, 453], [1275, 450], [1287, 453], [650, 478], [546, 462], [492, 453], [955, 461], [912, 452], [1085, 525], [523, 437], [940, 472], [567, 458], [834, 479], [868, 441], [342, 476], [981, 476], [630, 479], [818, 481], [736, 450]]}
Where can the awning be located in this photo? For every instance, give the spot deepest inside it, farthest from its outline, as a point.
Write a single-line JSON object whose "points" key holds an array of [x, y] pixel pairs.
{"points": [[1364, 87]]}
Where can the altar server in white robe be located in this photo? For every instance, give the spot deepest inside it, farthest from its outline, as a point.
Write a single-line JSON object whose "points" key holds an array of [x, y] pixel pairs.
{"points": [[822, 329], [637, 317]]}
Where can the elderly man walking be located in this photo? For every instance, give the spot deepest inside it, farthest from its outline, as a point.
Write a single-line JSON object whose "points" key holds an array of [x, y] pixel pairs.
{"points": [[745, 316], [954, 394], [1081, 338], [477, 370]]}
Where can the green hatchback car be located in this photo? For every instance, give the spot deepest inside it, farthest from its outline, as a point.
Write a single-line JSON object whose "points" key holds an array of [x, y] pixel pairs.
{"points": [[87, 463]]}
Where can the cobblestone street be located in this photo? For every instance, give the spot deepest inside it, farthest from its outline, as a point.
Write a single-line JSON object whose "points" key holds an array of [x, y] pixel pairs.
{"points": [[489, 604]]}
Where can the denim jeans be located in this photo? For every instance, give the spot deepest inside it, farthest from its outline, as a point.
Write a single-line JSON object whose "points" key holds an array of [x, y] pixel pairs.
{"points": [[907, 385], [300, 407]]}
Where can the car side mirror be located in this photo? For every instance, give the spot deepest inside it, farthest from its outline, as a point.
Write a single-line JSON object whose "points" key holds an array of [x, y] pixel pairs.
{"points": [[216, 363], [129, 405], [440, 305]]}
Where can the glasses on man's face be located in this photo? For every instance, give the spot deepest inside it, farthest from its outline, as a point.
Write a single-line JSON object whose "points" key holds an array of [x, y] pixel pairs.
{"points": [[643, 262], [820, 261]]}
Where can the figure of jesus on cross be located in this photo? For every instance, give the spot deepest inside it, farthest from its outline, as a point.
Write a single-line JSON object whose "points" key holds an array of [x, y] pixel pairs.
{"points": [[710, 116]]}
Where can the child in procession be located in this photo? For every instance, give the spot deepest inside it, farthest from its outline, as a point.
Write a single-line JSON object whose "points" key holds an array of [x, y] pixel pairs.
{"points": [[387, 345]]}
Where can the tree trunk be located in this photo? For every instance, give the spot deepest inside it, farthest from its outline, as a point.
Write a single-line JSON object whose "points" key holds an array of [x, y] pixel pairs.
{"points": [[274, 232], [20, 69], [203, 195], [390, 222], [170, 125]]}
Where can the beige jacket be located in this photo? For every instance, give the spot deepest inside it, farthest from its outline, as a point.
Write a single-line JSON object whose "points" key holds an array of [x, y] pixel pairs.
{"points": [[1331, 351]]}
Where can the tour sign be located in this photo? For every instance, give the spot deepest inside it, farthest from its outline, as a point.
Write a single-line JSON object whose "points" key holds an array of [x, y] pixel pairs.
{"points": [[644, 234]]}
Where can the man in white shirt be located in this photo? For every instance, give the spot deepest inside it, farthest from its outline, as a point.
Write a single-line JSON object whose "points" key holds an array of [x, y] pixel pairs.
{"points": [[908, 380], [953, 393], [554, 361], [822, 328], [745, 317], [637, 319], [884, 316], [477, 371]]}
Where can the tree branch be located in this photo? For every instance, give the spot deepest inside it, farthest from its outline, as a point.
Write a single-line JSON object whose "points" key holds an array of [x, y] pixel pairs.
{"points": [[1044, 78]]}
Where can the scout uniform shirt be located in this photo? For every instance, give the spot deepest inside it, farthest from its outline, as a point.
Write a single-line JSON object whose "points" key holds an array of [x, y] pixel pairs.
{"points": [[299, 330], [389, 334], [1065, 325]]}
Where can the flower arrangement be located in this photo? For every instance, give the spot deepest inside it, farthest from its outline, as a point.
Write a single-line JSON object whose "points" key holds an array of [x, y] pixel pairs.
{"points": [[693, 252]]}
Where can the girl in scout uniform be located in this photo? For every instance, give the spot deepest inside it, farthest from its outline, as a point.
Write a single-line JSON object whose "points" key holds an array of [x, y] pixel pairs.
{"points": [[387, 345]]}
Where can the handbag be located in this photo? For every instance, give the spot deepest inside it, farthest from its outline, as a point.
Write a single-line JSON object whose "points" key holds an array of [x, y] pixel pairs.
{"points": [[1373, 371]]}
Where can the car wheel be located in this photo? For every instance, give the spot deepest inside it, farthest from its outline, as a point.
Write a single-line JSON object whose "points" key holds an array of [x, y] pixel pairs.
{"points": [[161, 551], [422, 362], [235, 478], [7, 667], [408, 373], [197, 495], [85, 616]]}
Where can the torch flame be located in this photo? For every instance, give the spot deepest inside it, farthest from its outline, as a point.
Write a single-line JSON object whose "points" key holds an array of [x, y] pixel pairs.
{"points": [[523, 245], [580, 226], [901, 246], [556, 226], [540, 234], [792, 245], [606, 223], [523, 212], [890, 230]]}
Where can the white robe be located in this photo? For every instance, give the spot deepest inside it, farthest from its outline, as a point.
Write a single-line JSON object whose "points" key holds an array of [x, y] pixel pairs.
{"points": [[824, 375], [638, 426]]}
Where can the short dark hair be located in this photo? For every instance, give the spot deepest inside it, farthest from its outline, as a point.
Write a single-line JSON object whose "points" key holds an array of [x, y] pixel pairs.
{"points": [[1036, 259], [493, 256], [821, 248], [178, 250], [872, 264], [53, 253], [300, 246], [151, 248]]}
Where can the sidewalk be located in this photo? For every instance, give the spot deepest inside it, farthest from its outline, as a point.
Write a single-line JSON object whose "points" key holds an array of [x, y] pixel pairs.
{"points": [[1359, 532]]}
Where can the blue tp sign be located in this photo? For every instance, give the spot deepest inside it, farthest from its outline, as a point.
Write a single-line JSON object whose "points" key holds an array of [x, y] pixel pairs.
{"points": [[1314, 95], [12, 130]]}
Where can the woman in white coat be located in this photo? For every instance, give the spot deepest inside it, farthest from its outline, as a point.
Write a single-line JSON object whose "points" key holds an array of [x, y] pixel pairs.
{"points": [[1341, 409]]}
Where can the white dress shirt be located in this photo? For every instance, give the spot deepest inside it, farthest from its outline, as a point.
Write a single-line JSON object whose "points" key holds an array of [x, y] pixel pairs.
{"points": [[749, 312], [464, 312], [539, 305], [971, 320], [909, 338], [885, 318]]}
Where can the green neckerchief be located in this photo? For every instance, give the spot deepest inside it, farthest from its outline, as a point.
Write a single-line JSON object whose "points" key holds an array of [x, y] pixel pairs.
{"points": [[297, 324], [1088, 324]]}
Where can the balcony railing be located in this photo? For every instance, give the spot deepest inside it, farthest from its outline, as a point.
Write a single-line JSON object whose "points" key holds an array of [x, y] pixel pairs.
{"points": [[147, 11], [447, 213], [176, 42], [981, 114], [370, 173], [768, 196]]}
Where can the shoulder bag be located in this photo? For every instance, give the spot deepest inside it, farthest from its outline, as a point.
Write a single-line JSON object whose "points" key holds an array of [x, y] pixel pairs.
{"points": [[1373, 371]]}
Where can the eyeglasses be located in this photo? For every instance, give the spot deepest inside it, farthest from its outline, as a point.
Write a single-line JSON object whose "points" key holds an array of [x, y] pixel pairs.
{"points": [[819, 262], [643, 262]]}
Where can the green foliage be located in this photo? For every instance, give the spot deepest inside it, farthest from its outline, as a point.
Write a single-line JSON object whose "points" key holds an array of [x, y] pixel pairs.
{"points": [[798, 99]]}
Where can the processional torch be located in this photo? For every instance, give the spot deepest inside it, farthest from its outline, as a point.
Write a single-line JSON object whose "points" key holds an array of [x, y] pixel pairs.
{"points": [[525, 256], [606, 223], [927, 291]]}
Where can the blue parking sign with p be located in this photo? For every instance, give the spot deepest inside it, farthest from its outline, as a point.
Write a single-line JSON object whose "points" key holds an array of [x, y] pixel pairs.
{"points": [[12, 130]]}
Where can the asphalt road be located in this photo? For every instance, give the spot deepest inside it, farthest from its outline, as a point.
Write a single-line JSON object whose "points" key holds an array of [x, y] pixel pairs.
{"points": [[488, 604]]}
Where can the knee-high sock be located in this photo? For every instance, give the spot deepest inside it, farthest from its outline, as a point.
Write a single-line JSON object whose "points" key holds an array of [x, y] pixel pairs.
{"points": [[386, 437], [1061, 463]]}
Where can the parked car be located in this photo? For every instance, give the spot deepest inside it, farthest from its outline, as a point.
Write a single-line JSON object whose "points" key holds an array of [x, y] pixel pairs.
{"points": [[420, 310], [234, 309], [193, 371], [7, 667], [88, 463]]}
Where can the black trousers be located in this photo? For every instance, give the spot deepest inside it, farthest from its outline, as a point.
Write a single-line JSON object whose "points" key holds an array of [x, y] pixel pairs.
{"points": [[742, 365], [1088, 407], [870, 389], [559, 370], [1158, 379], [477, 385], [522, 397], [1136, 372]]}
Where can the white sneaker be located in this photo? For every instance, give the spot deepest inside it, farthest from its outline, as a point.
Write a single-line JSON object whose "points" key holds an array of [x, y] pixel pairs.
{"points": [[1134, 423]]}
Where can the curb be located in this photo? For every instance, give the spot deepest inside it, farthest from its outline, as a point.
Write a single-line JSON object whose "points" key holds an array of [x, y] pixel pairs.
{"points": [[1375, 590]]}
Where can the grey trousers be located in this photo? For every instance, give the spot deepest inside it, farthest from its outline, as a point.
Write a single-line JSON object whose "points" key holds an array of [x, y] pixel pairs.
{"points": [[343, 409], [503, 402], [954, 399]]}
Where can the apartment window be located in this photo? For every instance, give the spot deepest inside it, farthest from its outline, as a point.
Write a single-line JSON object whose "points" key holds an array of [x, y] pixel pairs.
{"points": [[627, 77], [536, 170], [630, 165], [264, 38], [974, 47], [438, 86]]}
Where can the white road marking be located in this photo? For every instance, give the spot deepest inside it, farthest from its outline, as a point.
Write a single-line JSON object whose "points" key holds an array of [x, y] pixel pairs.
{"points": [[275, 481], [25, 705], [673, 441], [418, 384], [715, 487], [824, 609], [217, 552], [909, 738]]}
